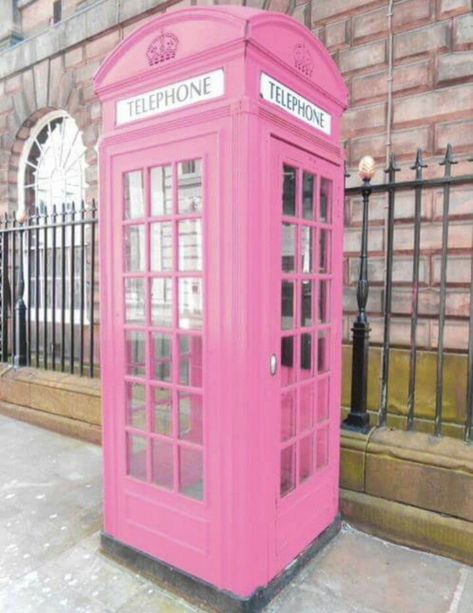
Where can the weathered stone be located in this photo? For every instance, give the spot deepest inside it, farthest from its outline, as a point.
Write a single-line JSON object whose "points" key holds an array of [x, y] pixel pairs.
{"points": [[464, 30], [414, 42], [411, 12], [363, 56], [455, 66], [41, 83], [336, 34], [433, 104], [370, 24]]}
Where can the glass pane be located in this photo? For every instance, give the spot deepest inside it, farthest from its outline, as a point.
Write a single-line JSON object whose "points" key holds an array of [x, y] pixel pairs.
{"points": [[189, 175], [323, 407], [289, 191], [135, 301], [190, 245], [306, 356], [324, 251], [161, 246], [288, 415], [162, 464], [306, 249], [306, 304], [306, 409], [136, 461], [161, 190], [191, 478], [161, 358], [135, 343], [190, 360], [190, 417], [308, 182], [288, 247], [326, 190], [190, 304], [161, 399], [324, 302], [161, 302], [322, 447], [287, 482], [287, 305], [134, 195], [306, 454], [136, 405], [323, 351], [288, 372], [134, 248]]}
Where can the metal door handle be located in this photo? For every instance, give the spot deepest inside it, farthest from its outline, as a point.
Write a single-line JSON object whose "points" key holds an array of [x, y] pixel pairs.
{"points": [[273, 364]]}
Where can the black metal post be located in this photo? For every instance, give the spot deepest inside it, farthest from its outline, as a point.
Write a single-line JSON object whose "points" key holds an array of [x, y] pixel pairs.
{"points": [[20, 356], [358, 418]]}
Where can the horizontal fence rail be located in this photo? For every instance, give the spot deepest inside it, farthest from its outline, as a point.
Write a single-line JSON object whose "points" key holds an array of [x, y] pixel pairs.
{"points": [[416, 187], [47, 289]]}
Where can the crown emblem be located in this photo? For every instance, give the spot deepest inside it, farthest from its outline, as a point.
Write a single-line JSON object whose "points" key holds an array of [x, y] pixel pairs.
{"points": [[163, 48], [303, 59]]}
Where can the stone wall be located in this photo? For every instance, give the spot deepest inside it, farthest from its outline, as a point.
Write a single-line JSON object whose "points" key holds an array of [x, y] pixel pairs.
{"points": [[410, 77]]}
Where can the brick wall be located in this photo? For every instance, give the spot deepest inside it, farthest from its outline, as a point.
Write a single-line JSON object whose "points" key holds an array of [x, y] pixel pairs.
{"points": [[431, 105]]}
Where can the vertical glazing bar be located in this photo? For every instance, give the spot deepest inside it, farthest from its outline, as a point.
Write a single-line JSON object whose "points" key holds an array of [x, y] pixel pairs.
{"points": [[13, 285], [447, 162], [82, 288], [388, 284], [45, 288], [418, 167], [63, 285], [53, 287], [28, 288], [4, 255], [92, 288], [36, 287], [71, 288]]}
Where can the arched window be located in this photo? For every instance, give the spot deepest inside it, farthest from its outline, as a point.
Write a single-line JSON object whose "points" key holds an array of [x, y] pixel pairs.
{"points": [[52, 167]]}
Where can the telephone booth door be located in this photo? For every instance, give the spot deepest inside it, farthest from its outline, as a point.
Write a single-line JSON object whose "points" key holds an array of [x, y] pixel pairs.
{"points": [[306, 279], [164, 497]]}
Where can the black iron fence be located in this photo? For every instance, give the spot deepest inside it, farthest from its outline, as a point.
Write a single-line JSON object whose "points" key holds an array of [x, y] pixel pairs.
{"points": [[47, 289], [358, 417]]}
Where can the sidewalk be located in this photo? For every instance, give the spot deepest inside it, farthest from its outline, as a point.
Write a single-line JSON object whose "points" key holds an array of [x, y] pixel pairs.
{"points": [[50, 517]]}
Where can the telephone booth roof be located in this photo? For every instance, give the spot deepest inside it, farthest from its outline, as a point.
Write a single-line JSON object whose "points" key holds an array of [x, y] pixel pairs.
{"points": [[214, 36]]}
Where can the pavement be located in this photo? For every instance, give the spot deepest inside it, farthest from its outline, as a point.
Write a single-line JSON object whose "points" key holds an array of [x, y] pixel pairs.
{"points": [[50, 517]]}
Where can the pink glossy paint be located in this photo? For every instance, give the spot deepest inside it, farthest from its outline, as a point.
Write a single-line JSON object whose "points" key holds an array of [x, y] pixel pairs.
{"points": [[221, 214]]}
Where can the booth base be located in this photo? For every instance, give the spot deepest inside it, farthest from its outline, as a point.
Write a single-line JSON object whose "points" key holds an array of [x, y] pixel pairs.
{"points": [[202, 593]]}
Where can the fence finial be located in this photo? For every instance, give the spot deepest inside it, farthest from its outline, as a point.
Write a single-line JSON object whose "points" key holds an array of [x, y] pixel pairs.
{"points": [[392, 166], [448, 160], [419, 163]]}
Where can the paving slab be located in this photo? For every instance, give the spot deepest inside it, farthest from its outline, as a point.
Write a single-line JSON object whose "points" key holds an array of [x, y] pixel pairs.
{"points": [[50, 559]]}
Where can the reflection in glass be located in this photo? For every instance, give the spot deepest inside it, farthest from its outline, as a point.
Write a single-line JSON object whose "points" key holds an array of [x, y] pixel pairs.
{"points": [[324, 313], [161, 191], [162, 464], [326, 189], [135, 353], [134, 248], [162, 410], [136, 405], [135, 301], [190, 304], [288, 373], [134, 195], [322, 447], [190, 417], [161, 359], [161, 246], [190, 360], [306, 249], [161, 302], [190, 245], [324, 250], [288, 247], [191, 475], [289, 191], [287, 305], [306, 304], [306, 355], [323, 407], [306, 453], [136, 460], [323, 348], [288, 415], [308, 182], [306, 410], [287, 482], [189, 175]]}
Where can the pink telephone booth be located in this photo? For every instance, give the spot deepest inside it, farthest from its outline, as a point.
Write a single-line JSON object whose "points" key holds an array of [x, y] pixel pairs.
{"points": [[221, 298]]}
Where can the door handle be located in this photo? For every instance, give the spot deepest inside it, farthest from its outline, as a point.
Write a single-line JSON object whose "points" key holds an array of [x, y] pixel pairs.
{"points": [[273, 364]]}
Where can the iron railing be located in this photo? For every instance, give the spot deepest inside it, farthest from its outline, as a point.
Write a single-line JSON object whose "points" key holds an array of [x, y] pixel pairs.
{"points": [[47, 289], [417, 187]]}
